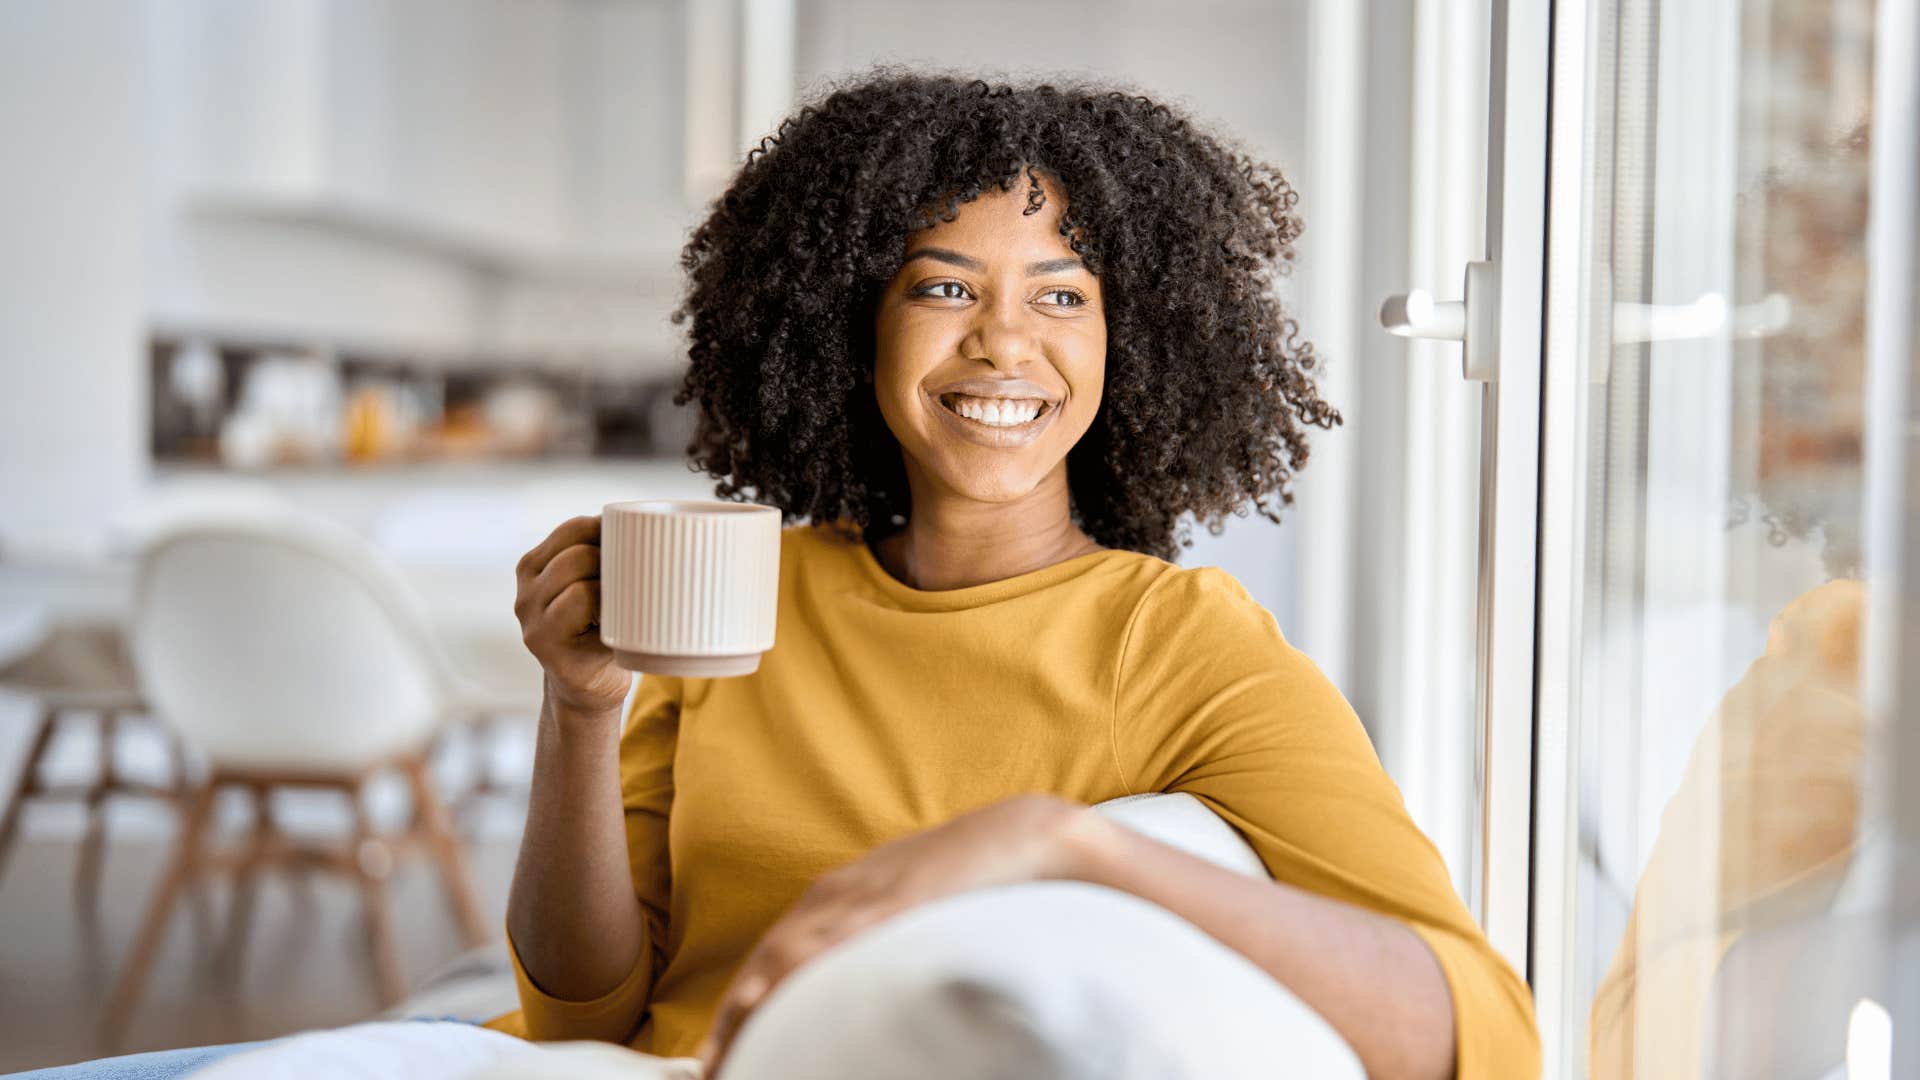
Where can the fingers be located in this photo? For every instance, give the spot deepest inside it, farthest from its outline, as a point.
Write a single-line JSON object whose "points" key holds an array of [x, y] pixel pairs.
{"points": [[580, 562], [782, 952], [579, 530], [738, 1002], [572, 613], [557, 600]]}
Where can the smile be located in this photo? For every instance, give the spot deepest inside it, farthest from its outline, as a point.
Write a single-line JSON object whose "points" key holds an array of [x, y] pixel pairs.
{"points": [[996, 422]]}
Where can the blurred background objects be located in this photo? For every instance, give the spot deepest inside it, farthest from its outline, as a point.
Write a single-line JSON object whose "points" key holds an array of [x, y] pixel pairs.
{"points": [[403, 269]]}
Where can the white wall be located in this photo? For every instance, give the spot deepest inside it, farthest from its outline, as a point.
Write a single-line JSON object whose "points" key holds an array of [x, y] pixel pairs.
{"points": [[235, 94], [72, 428], [491, 175]]}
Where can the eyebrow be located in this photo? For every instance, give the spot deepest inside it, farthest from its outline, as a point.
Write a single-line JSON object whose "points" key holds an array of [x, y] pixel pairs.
{"points": [[968, 262]]}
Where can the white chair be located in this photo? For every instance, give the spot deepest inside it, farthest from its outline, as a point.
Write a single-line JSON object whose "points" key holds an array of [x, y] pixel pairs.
{"points": [[287, 653], [454, 542]]}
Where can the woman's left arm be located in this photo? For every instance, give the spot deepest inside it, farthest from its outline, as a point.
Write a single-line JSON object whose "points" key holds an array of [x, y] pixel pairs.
{"points": [[1361, 913], [1367, 975]]}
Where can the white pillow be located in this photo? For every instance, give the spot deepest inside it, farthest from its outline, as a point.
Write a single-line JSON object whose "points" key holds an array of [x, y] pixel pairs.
{"points": [[1183, 821], [1042, 980]]}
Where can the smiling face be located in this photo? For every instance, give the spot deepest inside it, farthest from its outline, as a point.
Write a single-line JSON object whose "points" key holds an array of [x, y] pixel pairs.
{"points": [[990, 350]]}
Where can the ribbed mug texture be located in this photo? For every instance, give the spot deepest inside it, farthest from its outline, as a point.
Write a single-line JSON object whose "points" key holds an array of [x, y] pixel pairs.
{"points": [[689, 578]]}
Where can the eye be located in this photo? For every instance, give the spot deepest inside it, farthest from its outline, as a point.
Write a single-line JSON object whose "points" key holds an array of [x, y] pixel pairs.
{"points": [[931, 290], [1074, 298]]}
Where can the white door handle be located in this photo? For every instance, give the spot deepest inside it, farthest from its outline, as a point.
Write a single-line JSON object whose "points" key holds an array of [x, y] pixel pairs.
{"points": [[1706, 317], [1417, 314], [1473, 321]]}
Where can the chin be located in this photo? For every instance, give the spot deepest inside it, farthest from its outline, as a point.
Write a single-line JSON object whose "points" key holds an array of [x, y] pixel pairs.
{"points": [[1005, 486]]}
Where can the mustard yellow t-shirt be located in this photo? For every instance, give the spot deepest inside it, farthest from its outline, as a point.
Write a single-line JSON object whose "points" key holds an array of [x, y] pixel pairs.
{"points": [[884, 710]]}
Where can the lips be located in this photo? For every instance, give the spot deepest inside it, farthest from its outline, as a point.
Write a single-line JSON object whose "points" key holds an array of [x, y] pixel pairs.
{"points": [[987, 386], [996, 436]]}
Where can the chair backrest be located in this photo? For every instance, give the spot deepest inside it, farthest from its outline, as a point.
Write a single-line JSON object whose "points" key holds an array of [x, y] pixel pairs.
{"points": [[283, 644]]}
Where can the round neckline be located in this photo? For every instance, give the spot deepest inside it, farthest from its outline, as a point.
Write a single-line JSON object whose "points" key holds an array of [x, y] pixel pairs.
{"points": [[983, 593]]}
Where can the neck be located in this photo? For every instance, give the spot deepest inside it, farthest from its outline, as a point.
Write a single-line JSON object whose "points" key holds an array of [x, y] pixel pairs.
{"points": [[952, 542]]}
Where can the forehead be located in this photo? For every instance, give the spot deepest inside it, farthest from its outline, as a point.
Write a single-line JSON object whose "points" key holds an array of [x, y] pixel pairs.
{"points": [[997, 219]]}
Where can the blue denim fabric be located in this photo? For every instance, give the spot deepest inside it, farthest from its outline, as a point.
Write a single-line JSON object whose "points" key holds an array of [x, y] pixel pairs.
{"points": [[156, 1065], [159, 1064]]}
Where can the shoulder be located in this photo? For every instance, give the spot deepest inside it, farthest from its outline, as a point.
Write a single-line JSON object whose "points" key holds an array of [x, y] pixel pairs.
{"points": [[1205, 671], [1203, 600], [1200, 625], [818, 560]]}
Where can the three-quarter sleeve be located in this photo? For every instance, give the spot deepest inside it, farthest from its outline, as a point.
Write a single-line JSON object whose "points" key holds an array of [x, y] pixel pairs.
{"points": [[1210, 699], [647, 742]]}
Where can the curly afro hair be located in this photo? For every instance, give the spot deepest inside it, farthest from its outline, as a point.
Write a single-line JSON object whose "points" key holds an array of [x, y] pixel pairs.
{"points": [[1208, 383]]}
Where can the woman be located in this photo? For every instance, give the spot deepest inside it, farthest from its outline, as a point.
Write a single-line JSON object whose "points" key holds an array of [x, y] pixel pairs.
{"points": [[991, 344], [994, 343]]}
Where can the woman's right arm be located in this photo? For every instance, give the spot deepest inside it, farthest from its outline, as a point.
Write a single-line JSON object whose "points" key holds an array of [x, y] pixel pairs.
{"points": [[572, 915]]}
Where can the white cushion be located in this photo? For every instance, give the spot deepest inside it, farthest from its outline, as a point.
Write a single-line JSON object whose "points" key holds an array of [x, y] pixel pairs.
{"points": [[1045, 979], [1185, 822]]}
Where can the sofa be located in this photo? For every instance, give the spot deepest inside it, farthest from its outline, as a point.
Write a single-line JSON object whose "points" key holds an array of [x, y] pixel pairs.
{"points": [[1037, 980]]}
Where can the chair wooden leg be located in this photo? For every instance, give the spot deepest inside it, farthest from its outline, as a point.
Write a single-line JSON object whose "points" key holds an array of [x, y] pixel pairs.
{"points": [[146, 945], [203, 929], [86, 877], [373, 865], [200, 901], [299, 883], [431, 820], [177, 756], [246, 879], [27, 783]]}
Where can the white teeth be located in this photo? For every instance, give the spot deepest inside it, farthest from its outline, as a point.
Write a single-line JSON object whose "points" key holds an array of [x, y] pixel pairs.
{"points": [[997, 412]]}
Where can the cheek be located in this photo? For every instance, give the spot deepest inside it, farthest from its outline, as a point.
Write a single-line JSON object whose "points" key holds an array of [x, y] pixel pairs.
{"points": [[904, 351], [895, 384], [1090, 400], [1088, 377]]}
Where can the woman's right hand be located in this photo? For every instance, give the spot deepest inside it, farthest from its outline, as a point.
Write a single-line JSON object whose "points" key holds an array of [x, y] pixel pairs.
{"points": [[557, 600]]}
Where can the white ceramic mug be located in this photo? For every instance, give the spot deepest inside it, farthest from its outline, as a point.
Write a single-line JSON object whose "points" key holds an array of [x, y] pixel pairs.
{"points": [[687, 586]]}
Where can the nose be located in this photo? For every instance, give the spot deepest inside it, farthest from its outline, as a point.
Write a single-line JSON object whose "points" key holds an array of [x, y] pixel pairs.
{"points": [[1001, 334]]}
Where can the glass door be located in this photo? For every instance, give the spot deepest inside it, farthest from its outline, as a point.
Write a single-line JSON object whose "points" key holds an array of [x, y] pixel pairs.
{"points": [[1711, 839], [1693, 329]]}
